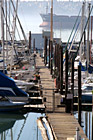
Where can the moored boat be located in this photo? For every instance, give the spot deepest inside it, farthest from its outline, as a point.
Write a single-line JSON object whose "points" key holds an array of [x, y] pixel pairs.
{"points": [[7, 105], [9, 89]]}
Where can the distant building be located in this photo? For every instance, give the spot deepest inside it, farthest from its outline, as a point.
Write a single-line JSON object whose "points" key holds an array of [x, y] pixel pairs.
{"points": [[39, 41]]}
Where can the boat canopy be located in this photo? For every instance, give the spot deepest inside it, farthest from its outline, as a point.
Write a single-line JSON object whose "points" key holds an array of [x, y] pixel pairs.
{"points": [[8, 82], [90, 69]]}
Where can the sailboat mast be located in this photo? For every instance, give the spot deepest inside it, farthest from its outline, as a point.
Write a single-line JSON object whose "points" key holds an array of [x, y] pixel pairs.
{"points": [[82, 28], [91, 39], [6, 33], [51, 34], [19, 23], [2, 35], [88, 35], [13, 36], [9, 7]]}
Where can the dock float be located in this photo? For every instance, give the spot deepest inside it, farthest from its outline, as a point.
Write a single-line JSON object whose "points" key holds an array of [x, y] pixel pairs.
{"points": [[40, 108], [63, 124]]}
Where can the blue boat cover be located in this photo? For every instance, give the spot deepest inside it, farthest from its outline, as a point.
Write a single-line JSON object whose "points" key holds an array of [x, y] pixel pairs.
{"points": [[1, 60], [6, 81], [83, 68], [90, 69]]}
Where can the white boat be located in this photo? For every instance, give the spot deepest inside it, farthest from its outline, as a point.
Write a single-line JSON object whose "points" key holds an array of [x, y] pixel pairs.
{"points": [[24, 85], [87, 87]]}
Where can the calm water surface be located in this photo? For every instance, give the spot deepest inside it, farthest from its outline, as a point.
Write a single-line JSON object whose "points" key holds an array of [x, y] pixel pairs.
{"points": [[19, 127], [86, 118]]}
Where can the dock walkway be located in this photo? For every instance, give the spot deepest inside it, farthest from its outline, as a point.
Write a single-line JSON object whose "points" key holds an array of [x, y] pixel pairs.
{"points": [[63, 124]]}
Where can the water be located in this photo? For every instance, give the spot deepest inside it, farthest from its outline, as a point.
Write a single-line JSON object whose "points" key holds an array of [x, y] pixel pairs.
{"points": [[86, 119], [19, 127], [24, 127]]}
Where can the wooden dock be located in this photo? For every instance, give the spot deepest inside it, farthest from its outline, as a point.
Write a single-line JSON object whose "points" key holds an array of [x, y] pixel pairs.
{"points": [[63, 124]]}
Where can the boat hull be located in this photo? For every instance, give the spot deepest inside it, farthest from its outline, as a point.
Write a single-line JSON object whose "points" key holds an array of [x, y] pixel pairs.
{"points": [[10, 108], [60, 21], [86, 98], [57, 25]]}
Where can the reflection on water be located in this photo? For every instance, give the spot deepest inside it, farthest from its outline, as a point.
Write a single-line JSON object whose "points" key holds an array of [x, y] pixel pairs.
{"points": [[86, 123], [19, 127]]}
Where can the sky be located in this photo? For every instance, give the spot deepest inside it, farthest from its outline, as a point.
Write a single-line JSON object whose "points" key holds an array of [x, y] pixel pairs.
{"points": [[57, 0]]}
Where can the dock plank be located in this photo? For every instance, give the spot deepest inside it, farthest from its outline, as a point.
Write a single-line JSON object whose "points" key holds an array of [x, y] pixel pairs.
{"points": [[63, 124]]}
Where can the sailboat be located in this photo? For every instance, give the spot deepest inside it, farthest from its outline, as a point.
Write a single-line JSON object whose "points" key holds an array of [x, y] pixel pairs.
{"points": [[9, 89], [12, 98]]}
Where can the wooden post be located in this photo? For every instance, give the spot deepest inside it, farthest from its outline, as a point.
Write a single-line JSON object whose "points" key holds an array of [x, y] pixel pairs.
{"points": [[53, 101], [89, 126], [49, 54], [61, 70], [66, 80], [58, 58], [86, 126], [79, 94], [45, 50], [55, 55], [34, 44], [72, 84], [29, 42], [84, 42], [58, 66]]}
